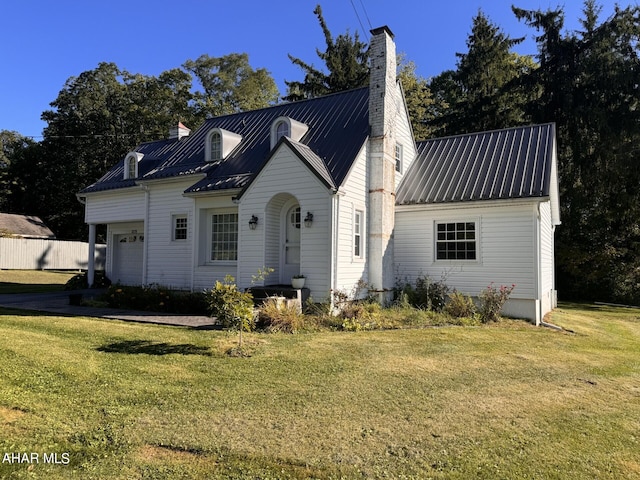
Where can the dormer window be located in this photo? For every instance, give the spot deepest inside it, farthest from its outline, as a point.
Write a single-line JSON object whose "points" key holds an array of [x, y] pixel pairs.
{"points": [[282, 130], [287, 127], [131, 165], [216, 146], [219, 144]]}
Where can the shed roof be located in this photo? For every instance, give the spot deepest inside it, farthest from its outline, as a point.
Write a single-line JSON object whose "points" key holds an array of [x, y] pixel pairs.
{"points": [[338, 127], [26, 226], [501, 164]]}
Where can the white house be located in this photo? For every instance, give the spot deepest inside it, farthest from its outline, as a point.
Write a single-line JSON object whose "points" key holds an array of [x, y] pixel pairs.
{"points": [[334, 188]]}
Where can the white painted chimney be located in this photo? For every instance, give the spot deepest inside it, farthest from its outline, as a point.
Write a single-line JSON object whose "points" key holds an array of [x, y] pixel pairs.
{"points": [[383, 91]]}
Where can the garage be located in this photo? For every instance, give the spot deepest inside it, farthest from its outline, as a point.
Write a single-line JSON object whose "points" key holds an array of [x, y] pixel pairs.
{"points": [[128, 252]]}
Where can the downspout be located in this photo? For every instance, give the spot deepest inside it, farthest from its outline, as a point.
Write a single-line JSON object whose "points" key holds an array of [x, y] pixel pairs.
{"points": [[537, 258], [145, 251], [335, 223], [195, 233]]}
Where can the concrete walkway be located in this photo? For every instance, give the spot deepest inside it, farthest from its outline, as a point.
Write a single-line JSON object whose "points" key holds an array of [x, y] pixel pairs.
{"points": [[58, 303]]}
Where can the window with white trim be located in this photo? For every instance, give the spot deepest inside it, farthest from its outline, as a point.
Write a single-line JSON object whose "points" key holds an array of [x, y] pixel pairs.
{"points": [[456, 241], [282, 130], [219, 143], [358, 230], [224, 237], [398, 158], [132, 167], [180, 227], [215, 146]]}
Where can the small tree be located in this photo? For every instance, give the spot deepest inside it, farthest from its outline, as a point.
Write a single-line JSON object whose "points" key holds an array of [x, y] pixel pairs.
{"points": [[232, 307]]}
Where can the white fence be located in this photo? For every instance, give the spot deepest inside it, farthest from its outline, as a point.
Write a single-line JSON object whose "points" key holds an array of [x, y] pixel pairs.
{"points": [[35, 254]]}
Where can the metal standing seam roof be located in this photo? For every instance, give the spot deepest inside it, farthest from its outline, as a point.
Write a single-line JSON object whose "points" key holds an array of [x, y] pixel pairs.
{"points": [[501, 164], [338, 127], [154, 154]]}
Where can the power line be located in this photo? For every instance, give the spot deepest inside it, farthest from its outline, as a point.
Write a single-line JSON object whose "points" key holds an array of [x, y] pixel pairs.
{"points": [[366, 15], [359, 21]]}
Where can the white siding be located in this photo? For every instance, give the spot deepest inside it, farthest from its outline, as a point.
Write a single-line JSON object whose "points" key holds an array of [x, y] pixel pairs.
{"points": [[205, 274], [349, 268], [115, 206], [506, 249], [546, 258], [283, 178], [404, 136], [168, 261]]}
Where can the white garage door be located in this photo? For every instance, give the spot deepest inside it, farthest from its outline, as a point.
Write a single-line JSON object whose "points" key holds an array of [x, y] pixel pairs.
{"points": [[127, 259]]}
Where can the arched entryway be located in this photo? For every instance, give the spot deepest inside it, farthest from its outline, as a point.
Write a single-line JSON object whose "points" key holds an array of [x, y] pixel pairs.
{"points": [[290, 239], [283, 237]]}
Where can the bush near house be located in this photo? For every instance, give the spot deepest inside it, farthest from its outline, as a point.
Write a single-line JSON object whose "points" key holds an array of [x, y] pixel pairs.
{"points": [[156, 298], [80, 281], [428, 303]]}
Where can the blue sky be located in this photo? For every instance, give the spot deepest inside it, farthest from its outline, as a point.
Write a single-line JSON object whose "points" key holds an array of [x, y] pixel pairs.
{"points": [[43, 42]]}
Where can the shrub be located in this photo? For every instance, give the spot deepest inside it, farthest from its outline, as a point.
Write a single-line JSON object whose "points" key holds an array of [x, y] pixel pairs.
{"points": [[155, 298], [426, 294], [80, 282], [360, 316], [274, 316], [459, 305], [492, 300], [230, 306]]}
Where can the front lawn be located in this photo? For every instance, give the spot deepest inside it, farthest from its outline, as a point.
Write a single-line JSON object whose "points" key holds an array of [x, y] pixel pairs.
{"points": [[504, 400], [33, 281]]}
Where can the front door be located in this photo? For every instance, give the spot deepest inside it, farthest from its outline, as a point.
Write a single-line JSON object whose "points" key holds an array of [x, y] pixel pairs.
{"points": [[290, 257]]}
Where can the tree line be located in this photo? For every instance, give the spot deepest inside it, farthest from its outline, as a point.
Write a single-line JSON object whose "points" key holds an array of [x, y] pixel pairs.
{"points": [[586, 81]]}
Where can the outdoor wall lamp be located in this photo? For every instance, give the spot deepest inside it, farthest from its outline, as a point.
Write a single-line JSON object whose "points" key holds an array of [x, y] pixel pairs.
{"points": [[253, 223], [308, 220]]}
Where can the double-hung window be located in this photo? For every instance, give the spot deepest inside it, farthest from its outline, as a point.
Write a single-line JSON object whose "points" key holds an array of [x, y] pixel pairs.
{"points": [[358, 228], [180, 227], [456, 241], [224, 237], [398, 158]]}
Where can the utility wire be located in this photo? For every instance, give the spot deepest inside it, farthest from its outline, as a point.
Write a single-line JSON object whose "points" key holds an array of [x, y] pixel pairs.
{"points": [[366, 15], [359, 21]]}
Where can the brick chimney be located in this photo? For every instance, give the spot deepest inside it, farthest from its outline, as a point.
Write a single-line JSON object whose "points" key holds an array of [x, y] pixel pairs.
{"points": [[383, 100]]}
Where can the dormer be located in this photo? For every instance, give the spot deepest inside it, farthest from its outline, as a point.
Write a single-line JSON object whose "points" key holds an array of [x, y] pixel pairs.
{"points": [[131, 164], [287, 127], [219, 143]]}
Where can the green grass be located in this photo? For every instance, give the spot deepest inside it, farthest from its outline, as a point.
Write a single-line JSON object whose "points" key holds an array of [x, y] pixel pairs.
{"points": [[507, 400], [33, 281]]}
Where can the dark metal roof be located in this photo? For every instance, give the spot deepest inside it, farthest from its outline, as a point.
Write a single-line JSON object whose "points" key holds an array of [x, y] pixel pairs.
{"points": [[338, 127], [306, 155], [154, 154], [501, 164]]}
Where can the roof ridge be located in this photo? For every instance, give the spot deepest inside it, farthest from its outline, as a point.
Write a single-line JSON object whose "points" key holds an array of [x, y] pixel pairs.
{"points": [[485, 132]]}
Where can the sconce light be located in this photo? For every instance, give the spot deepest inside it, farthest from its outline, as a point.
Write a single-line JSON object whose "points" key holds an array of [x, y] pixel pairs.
{"points": [[253, 223], [308, 220]]}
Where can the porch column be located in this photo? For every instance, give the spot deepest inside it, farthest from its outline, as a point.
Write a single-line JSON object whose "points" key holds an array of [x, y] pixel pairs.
{"points": [[91, 264]]}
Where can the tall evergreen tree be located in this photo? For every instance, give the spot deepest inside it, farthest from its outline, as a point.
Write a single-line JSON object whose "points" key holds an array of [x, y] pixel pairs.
{"points": [[589, 84], [346, 58], [418, 97], [482, 93]]}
